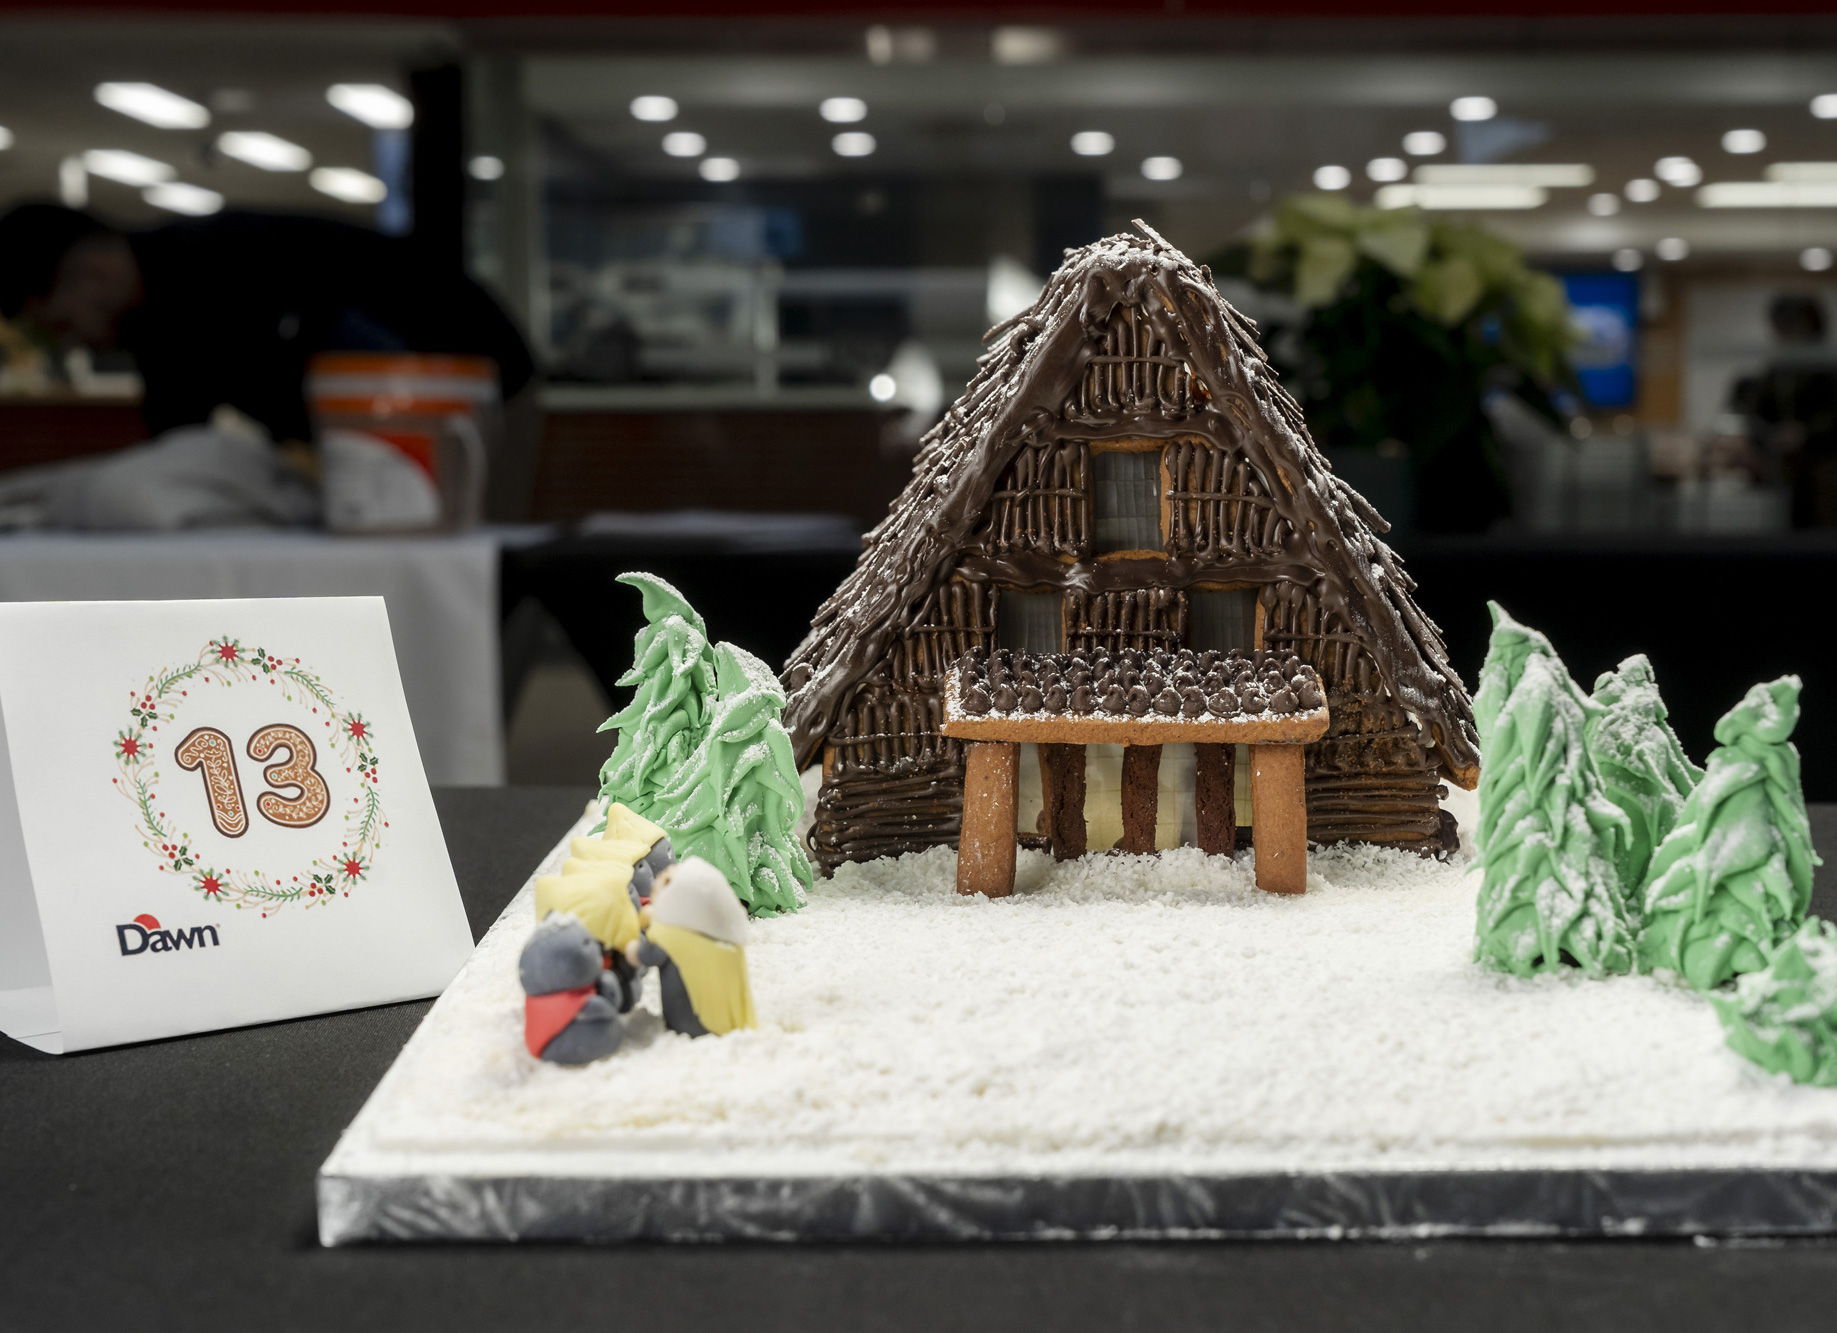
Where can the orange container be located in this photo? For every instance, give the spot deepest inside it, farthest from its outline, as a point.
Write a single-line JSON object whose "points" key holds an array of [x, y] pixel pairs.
{"points": [[402, 438]]}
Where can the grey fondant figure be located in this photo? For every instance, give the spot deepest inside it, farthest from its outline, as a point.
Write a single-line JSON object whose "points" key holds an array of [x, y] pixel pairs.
{"points": [[572, 1001]]}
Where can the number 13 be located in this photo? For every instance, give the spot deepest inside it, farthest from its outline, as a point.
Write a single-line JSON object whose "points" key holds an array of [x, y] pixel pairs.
{"points": [[211, 751]]}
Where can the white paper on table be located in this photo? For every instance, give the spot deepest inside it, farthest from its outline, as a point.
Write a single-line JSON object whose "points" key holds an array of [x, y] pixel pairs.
{"points": [[285, 918]]}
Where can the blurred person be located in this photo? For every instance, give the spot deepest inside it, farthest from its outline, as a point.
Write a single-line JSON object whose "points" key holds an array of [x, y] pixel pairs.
{"points": [[1792, 406], [228, 309]]}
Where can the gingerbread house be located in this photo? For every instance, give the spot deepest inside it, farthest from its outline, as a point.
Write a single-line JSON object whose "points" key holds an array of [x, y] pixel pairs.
{"points": [[1124, 471]]}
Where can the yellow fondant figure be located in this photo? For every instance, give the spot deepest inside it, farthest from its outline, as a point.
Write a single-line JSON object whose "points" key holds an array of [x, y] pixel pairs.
{"points": [[594, 850], [599, 894], [695, 935], [625, 826]]}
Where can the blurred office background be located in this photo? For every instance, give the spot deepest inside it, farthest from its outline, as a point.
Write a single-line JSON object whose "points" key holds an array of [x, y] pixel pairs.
{"points": [[755, 256]]}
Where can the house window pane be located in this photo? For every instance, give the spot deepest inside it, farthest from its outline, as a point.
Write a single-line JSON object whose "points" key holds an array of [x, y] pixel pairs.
{"points": [[1222, 620], [1028, 622], [1128, 495]]}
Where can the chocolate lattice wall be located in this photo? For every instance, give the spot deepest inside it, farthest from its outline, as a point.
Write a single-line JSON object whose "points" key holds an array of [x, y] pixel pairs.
{"points": [[1131, 344]]}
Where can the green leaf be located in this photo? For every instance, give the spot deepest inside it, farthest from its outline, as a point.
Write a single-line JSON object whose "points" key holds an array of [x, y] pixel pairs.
{"points": [[1396, 238], [1447, 290], [1326, 262], [1302, 217]]}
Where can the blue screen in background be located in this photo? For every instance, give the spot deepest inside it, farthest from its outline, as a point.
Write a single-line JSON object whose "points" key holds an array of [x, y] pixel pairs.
{"points": [[1605, 307]]}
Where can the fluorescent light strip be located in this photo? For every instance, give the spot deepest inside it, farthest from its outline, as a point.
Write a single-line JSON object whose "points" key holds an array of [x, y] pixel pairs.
{"points": [[153, 105], [1462, 197], [270, 152], [178, 197], [376, 106], [117, 164], [1801, 171], [1769, 194], [349, 184], [1559, 175]]}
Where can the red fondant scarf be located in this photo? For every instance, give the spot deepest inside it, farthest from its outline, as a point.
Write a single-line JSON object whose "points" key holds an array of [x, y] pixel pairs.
{"points": [[546, 1015]]}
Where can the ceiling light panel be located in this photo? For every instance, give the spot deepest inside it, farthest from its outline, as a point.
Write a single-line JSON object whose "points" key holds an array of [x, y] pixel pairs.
{"points": [[1462, 197], [153, 105], [1163, 168], [1801, 171], [1093, 143], [1551, 175], [1425, 143], [842, 110], [376, 106], [178, 197], [1768, 194], [1473, 108], [853, 143], [270, 152], [349, 185], [117, 164], [654, 108]]}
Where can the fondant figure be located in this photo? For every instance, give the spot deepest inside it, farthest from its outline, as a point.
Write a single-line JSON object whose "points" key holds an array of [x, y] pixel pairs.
{"points": [[695, 936], [570, 1013], [603, 884], [625, 825]]}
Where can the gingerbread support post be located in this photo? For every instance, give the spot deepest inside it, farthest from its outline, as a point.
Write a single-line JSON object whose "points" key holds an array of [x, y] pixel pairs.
{"points": [[1062, 795], [1141, 797], [1215, 797], [991, 791], [1280, 809]]}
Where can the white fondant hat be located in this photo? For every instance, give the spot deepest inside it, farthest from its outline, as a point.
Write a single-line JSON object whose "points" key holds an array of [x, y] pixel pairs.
{"points": [[694, 895]]}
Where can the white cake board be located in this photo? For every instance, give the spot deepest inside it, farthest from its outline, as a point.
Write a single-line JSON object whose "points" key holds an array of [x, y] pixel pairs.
{"points": [[1128, 1047]]}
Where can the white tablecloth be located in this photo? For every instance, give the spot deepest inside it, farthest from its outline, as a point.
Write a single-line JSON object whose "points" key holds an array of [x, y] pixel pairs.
{"points": [[442, 595]]}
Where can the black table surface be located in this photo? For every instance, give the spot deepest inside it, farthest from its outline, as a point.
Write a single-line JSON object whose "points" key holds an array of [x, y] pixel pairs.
{"points": [[171, 1186]]}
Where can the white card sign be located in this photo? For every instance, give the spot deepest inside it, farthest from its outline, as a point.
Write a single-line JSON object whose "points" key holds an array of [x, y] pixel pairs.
{"points": [[212, 814]]}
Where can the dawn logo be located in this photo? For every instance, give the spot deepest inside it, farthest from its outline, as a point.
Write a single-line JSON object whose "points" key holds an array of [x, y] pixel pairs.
{"points": [[144, 935]]}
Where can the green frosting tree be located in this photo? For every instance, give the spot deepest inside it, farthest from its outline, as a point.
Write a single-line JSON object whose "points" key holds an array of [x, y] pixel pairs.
{"points": [[673, 668], [1548, 837], [1643, 768], [1734, 878], [703, 752], [737, 799], [1784, 1017]]}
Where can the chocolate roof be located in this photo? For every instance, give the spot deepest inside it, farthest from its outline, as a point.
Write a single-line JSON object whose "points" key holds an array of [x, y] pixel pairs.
{"points": [[1021, 385]]}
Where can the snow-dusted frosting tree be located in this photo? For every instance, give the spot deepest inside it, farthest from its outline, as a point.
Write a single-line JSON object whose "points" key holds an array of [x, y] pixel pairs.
{"points": [[736, 801], [1734, 878], [703, 752], [1548, 836], [1643, 768], [1784, 1017], [673, 670]]}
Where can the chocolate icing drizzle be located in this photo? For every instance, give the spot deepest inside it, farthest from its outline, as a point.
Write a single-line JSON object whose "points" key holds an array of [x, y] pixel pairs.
{"points": [[1019, 395], [1133, 683]]}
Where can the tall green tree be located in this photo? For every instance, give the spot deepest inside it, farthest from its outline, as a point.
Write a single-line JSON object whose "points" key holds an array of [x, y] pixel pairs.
{"points": [[674, 672], [1733, 880], [1548, 836], [736, 800], [703, 752], [1784, 1017], [1643, 768]]}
